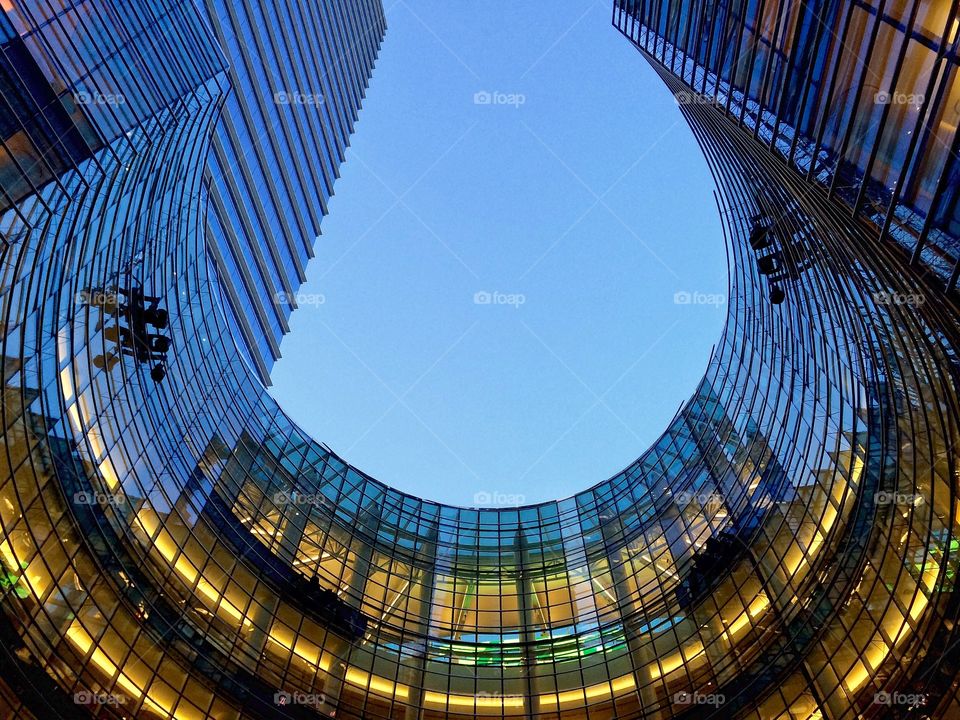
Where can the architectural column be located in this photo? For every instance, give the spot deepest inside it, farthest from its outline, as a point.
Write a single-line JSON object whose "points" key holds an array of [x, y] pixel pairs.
{"points": [[642, 655], [412, 671], [526, 593], [337, 646]]}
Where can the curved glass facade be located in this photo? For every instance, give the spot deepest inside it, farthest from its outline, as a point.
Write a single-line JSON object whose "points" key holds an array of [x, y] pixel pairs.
{"points": [[180, 549]]}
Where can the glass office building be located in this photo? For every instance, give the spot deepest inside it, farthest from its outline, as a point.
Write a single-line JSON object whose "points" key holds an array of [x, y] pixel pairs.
{"points": [[862, 98], [299, 72], [173, 546]]}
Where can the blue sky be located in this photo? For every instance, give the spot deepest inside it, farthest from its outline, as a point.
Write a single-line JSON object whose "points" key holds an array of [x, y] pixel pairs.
{"points": [[491, 317]]}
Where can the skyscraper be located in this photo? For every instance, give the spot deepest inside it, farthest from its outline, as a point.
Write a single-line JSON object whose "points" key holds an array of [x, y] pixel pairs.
{"points": [[299, 71], [862, 99], [173, 546]]}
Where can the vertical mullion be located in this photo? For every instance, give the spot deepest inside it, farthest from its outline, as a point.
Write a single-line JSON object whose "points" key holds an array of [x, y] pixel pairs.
{"points": [[808, 81], [941, 186], [848, 132], [735, 64], [885, 114], [753, 56], [782, 12], [797, 35], [709, 51], [828, 96]]}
